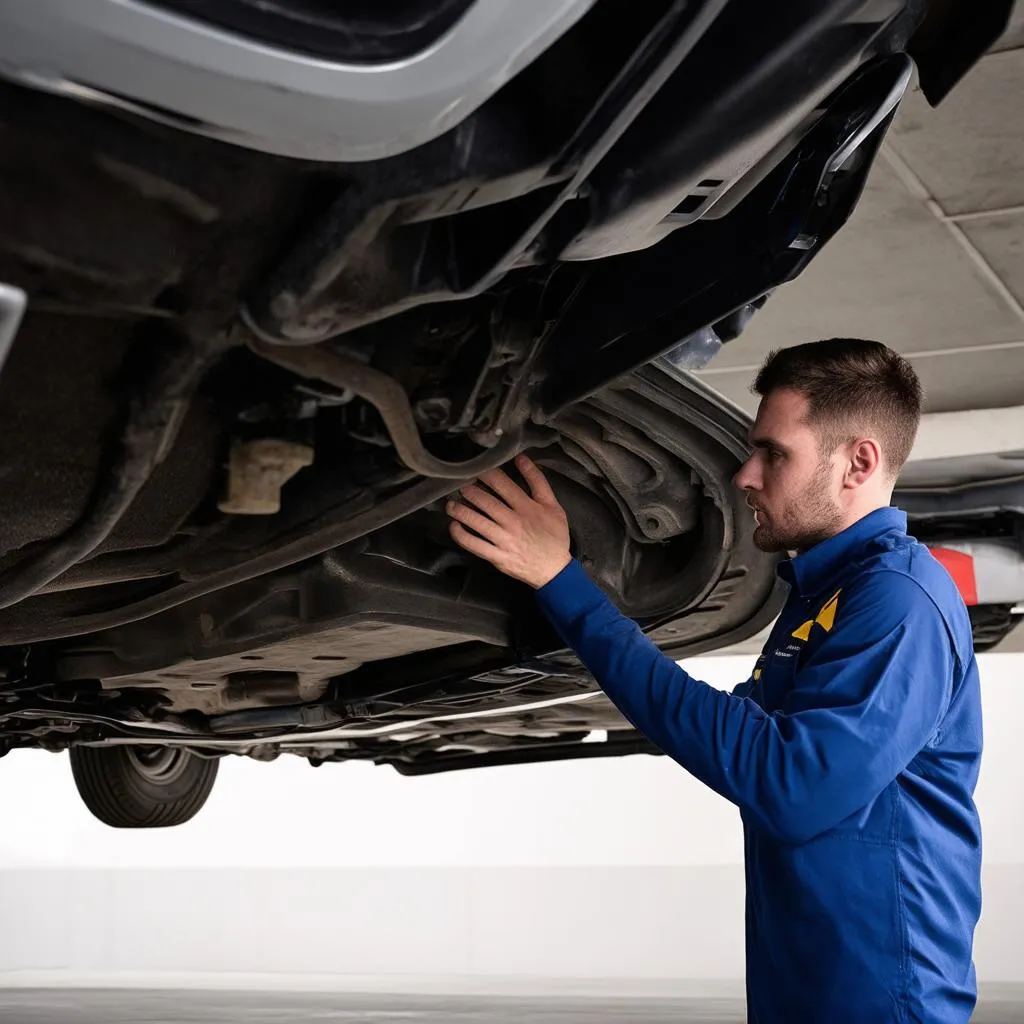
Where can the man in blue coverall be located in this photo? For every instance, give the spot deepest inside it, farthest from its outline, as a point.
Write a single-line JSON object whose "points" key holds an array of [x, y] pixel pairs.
{"points": [[853, 749]]}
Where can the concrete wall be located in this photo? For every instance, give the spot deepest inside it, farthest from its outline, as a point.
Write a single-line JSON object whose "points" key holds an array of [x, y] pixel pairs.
{"points": [[623, 869], [586, 922], [572, 922]]}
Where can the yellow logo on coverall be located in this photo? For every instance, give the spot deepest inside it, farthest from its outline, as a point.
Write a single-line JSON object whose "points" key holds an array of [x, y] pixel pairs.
{"points": [[825, 618]]}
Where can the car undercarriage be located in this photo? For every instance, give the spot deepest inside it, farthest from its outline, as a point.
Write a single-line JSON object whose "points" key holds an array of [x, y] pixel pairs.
{"points": [[245, 382]]}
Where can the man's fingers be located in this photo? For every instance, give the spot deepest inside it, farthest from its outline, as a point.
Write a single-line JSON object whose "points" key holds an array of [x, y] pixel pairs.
{"points": [[475, 521], [505, 487], [474, 545], [487, 503], [538, 482]]}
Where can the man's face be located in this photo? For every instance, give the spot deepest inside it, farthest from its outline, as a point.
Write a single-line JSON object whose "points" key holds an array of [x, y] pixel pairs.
{"points": [[792, 487]]}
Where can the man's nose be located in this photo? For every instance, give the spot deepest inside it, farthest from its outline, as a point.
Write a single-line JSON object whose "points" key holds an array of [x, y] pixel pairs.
{"points": [[744, 479]]}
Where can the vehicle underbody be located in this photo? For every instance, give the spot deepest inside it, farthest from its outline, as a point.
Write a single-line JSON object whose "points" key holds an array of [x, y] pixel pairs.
{"points": [[244, 385]]}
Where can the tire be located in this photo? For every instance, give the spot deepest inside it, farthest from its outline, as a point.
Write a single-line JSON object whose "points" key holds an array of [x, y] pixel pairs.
{"points": [[142, 787]]}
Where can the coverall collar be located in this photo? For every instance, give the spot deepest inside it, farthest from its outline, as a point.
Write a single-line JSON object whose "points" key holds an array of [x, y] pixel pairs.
{"points": [[815, 568]]}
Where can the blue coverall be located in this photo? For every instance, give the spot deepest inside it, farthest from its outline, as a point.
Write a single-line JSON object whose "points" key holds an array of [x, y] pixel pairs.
{"points": [[852, 752]]}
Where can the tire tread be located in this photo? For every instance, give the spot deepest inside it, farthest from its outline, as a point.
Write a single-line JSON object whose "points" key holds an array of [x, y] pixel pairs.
{"points": [[104, 778]]}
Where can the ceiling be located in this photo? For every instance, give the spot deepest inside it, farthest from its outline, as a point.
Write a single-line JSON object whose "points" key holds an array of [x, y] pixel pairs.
{"points": [[932, 261]]}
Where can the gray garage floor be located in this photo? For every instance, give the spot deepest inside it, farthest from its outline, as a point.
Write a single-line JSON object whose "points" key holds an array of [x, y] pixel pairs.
{"points": [[151, 1007]]}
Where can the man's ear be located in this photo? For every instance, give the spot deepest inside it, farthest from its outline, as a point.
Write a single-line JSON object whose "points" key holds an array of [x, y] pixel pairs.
{"points": [[865, 462]]}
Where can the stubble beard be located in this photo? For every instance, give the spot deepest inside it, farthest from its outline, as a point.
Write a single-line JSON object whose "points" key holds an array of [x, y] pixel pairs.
{"points": [[813, 517]]}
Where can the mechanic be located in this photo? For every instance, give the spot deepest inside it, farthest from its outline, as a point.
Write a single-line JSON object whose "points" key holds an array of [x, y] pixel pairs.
{"points": [[853, 749]]}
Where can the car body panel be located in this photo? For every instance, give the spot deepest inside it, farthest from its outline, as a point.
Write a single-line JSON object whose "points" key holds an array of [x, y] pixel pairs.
{"points": [[171, 67]]}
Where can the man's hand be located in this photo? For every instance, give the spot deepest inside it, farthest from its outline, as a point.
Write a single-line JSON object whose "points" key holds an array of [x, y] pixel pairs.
{"points": [[526, 536]]}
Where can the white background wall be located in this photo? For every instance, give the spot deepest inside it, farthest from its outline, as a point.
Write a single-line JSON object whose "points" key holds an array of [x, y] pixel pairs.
{"points": [[622, 868]]}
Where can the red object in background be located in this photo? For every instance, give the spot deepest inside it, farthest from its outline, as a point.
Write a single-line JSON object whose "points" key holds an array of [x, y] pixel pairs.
{"points": [[961, 568]]}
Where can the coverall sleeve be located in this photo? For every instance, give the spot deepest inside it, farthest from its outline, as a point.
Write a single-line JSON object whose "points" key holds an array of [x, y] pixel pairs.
{"points": [[865, 703]]}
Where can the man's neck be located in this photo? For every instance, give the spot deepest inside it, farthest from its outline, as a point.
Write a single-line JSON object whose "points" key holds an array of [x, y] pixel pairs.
{"points": [[850, 519], [863, 509]]}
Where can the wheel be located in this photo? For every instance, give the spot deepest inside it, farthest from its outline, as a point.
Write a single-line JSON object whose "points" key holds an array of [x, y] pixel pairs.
{"points": [[142, 787]]}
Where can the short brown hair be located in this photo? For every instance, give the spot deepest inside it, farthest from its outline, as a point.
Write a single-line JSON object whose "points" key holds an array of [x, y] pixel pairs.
{"points": [[852, 386]]}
